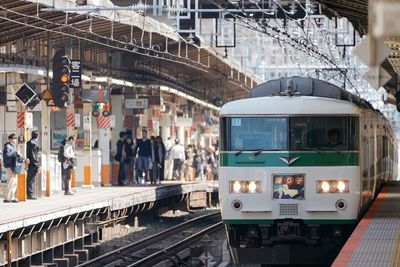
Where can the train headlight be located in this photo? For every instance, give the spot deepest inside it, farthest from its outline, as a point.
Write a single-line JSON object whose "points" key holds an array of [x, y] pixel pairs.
{"points": [[245, 187], [325, 186], [236, 187], [253, 187], [341, 186], [332, 186]]}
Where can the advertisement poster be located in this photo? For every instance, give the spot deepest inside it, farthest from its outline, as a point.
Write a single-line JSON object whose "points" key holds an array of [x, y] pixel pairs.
{"points": [[57, 136]]}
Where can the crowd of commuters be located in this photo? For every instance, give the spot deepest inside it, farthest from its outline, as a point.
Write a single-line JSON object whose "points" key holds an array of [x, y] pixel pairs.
{"points": [[141, 161], [150, 160]]}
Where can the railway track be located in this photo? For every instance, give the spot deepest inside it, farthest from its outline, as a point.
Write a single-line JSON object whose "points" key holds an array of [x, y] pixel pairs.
{"points": [[153, 249]]}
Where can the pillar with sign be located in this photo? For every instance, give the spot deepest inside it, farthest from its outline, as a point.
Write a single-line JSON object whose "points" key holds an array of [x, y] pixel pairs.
{"points": [[104, 125], [25, 94], [46, 131], [70, 117], [21, 116], [87, 149]]}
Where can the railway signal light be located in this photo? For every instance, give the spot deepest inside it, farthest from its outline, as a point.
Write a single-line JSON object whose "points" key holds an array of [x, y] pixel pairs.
{"points": [[61, 79], [95, 110], [106, 110]]}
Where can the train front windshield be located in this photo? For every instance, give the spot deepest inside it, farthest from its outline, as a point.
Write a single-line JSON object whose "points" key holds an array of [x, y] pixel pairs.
{"points": [[297, 133]]}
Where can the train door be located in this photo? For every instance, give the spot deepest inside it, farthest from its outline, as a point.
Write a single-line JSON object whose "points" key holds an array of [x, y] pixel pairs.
{"points": [[374, 155], [371, 158], [365, 159]]}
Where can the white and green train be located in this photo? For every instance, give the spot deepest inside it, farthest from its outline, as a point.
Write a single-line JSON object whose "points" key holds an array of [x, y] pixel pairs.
{"points": [[300, 162]]}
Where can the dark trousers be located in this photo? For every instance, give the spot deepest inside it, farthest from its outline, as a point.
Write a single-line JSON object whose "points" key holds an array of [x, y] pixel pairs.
{"points": [[30, 180], [121, 173], [162, 171], [178, 165], [66, 175]]}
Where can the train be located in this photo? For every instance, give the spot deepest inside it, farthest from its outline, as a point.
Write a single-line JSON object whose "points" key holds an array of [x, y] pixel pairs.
{"points": [[301, 160]]}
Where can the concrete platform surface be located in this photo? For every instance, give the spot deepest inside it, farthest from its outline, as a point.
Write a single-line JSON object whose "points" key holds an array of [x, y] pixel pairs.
{"points": [[376, 240], [17, 215]]}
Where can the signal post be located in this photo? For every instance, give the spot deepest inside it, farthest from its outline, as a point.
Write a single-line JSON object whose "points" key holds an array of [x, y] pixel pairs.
{"points": [[46, 131], [87, 148], [21, 148], [104, 124]]}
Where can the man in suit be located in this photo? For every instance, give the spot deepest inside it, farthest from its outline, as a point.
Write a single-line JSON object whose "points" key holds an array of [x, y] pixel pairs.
{"points": [[32, 153]]}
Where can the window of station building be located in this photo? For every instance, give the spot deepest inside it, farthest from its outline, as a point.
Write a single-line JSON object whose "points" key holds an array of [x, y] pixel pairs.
{"points": [[3, 49], [323, 133]]}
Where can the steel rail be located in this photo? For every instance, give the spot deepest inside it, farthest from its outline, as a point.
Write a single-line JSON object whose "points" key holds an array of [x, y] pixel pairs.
{"points": [[153, 258], [143, 243]]}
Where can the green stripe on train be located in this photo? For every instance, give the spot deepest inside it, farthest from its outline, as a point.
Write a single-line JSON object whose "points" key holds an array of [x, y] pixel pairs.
{"points": [[305, 221], [229, 159]]}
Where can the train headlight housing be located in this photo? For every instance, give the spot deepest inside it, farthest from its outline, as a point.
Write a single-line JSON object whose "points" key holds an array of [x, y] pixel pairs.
{"points": [[250, 187], [332, 186]]}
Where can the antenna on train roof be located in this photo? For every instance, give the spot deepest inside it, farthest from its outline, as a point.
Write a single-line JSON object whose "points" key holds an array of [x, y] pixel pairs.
{"points": [[289, 89]]}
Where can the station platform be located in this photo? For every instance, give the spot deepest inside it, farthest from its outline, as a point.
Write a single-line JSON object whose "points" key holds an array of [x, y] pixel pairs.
{"points": [[64, 230], [23, 214], [376, 239]]}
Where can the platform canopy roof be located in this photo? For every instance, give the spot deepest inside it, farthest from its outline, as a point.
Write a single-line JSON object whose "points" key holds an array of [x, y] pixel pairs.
{"points": [[124, 44]]}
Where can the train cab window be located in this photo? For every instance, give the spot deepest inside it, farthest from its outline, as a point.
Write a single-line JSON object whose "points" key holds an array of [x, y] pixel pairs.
{"points": [[255, 133], [323, 133]]}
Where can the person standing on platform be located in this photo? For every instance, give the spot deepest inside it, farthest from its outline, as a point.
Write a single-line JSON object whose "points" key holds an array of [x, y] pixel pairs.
{"points": [[168, 162], [32, 153], [144, 157], [178, 156], [118, 157], [128, 164], [9, 159], [69, 163], [158, 157]]}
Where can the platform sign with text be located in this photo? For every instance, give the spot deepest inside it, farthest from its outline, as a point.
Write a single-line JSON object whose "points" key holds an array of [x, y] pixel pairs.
{"points": [[76, 74]]}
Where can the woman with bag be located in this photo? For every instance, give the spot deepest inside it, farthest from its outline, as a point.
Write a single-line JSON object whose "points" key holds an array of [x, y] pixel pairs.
{"points": [[13, 163], [69, 163]]}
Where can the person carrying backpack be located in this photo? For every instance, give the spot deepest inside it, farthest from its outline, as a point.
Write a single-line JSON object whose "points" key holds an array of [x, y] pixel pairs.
{"points": [[10, 157]]}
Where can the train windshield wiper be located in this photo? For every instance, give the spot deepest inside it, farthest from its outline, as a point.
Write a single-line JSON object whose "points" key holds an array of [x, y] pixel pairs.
{"points": [[258, 152], [312, 149], [332, 149], [239, 152]]}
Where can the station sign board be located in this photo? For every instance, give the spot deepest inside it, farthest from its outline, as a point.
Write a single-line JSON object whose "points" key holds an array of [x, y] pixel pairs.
{"points": [[141, 103], [96, 95], [76, 74], [87, 123]]}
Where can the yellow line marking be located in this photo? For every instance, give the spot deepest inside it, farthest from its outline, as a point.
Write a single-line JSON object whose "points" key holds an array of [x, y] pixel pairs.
{"points": [[396, 257]]}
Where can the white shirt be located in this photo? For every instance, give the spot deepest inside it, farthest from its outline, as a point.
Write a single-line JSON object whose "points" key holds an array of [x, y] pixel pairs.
{"points": [[69, 151], [178, 152]]}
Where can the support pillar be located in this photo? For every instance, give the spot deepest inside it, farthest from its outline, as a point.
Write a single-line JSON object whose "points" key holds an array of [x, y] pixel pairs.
{"points": [[181, 134], [71, 132], [104, 145], [87, 148], [45, 175], [21, 148]]}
